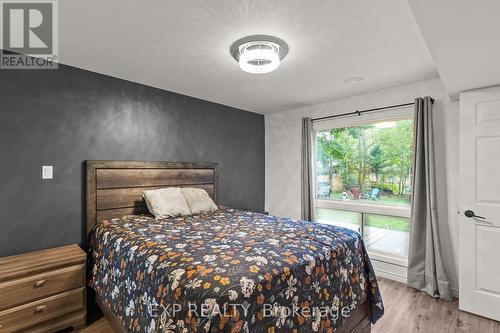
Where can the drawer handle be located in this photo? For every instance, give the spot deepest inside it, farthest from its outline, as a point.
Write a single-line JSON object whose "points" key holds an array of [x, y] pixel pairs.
{"points": [[40, 308], [39, 284]]}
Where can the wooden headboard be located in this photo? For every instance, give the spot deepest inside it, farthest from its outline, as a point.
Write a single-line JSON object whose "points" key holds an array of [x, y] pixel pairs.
{"points": [[114, 188]]}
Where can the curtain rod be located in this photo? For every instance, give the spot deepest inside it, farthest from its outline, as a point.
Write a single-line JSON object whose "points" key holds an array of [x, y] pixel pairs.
{"points": [[360, 112]]}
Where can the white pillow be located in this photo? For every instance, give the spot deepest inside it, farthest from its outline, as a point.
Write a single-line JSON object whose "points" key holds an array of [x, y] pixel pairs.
{"points": [[166, 202], [198, 200]]}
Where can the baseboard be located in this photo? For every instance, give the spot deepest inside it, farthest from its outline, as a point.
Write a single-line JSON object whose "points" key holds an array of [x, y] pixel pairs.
{"points": [[397, 273], [390, 271], [391, 276]]}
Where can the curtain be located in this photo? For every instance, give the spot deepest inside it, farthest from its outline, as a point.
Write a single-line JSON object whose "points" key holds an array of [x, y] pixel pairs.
{"points": [[307, 188], [425, 264]]}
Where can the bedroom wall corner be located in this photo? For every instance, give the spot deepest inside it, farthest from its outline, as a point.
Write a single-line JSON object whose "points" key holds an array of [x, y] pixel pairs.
{"points": [[282, 158]]}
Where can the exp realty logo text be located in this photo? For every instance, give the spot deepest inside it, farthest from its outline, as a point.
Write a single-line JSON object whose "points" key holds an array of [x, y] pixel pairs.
{"points": [[29, 38]]}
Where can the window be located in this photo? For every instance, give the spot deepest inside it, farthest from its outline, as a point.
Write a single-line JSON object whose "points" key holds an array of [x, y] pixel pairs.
{"points": [[363, 179], [341, 218]]}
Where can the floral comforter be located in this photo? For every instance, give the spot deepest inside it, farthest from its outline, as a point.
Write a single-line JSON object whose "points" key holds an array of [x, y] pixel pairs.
{"points": [[230, 271]]}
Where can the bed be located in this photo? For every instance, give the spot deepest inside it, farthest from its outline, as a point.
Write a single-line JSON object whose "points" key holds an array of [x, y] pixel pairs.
{"points": [[223, 271]]}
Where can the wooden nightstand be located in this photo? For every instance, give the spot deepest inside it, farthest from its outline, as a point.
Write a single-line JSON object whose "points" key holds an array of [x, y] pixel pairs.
{"points": [[43, 291]]}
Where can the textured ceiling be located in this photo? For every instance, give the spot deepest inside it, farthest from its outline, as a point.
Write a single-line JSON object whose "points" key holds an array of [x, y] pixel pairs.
{"points": [[463, 38], [183, 46]]}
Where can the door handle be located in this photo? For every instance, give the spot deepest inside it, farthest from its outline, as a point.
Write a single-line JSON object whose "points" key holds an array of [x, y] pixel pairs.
{"points": [[470, 214]]}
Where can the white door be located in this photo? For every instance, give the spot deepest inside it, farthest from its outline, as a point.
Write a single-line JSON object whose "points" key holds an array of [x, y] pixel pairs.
{"points": [[480, 202]]}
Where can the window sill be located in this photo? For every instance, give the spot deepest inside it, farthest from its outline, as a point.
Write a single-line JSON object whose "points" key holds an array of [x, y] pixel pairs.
{"points": [[391, 210]]}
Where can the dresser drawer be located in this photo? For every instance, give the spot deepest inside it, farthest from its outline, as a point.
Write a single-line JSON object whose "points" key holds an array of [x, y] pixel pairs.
{"points": [[24, 290], [24, 316]]}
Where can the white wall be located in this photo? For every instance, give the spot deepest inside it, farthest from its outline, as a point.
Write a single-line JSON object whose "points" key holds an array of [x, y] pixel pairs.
{"points": [[283, 149]]}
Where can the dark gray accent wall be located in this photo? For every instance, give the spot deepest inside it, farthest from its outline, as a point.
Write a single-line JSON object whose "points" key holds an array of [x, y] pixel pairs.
{"points": [[66, 116]]}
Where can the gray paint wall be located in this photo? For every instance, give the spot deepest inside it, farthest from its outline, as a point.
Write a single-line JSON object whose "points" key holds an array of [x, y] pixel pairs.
{"points": [[63, 117]]}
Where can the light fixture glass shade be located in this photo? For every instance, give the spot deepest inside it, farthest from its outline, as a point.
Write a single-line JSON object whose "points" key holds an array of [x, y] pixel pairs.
{"points": [[259, 57]]}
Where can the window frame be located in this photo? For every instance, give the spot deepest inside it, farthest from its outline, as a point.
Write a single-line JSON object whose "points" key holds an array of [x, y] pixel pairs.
{"points": [[403, 113]]}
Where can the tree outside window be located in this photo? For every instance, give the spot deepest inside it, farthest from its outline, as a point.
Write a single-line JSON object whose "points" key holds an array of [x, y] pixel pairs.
{"points": [[368, 163]]}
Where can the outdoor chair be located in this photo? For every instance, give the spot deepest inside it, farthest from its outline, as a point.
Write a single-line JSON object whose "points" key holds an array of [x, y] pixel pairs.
{"points": [[375, 194], [356, 193]]}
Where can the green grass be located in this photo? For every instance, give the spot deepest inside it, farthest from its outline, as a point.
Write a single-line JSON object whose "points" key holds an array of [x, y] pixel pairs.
{"points": [[387, 222], [341, 216], [371, 220]]}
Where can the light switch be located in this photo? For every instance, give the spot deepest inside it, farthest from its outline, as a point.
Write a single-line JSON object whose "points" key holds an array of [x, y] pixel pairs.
{"points": [[47, 172]]}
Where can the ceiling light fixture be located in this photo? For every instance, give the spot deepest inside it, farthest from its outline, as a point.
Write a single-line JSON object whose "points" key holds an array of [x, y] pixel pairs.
{"points": [[355, 79], [259, 54]]}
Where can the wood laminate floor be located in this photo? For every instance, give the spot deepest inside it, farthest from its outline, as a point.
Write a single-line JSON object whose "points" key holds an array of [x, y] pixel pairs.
{"points": [[410, 310], [407, 310]]}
